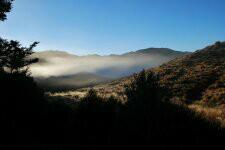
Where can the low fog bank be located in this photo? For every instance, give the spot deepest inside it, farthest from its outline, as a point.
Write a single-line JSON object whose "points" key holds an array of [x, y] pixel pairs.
{"points": [[54, 63]]}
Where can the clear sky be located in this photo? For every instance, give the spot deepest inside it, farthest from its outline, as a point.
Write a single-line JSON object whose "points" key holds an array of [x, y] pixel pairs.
{"points": [[115, 26]]}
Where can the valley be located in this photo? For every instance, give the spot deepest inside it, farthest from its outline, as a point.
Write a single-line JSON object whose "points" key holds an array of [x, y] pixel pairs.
{"points": [[195, 80], [58, 70]]}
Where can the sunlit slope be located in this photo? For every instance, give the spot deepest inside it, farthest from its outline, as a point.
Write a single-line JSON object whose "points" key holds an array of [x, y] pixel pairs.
{"points": [[196, 77]]}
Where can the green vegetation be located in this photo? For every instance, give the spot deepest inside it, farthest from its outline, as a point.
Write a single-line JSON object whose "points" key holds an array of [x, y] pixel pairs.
{"points": [[14, 58], [5, 7]]}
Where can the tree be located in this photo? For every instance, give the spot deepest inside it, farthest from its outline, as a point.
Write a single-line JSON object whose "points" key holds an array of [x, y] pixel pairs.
{"points": [[14, 57], [144, 92], [91, 102], [3, 58], [5, 7]]}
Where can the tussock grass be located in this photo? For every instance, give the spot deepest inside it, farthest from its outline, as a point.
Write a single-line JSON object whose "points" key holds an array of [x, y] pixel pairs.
{"points": [[213, 114]]}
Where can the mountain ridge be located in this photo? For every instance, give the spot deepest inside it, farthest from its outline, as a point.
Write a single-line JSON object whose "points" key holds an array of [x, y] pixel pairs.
{"points": [[158, 51], [150, 50]]}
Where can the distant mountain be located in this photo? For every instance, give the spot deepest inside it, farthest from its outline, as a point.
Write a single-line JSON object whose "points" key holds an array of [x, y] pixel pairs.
{"points": [[156, 51], [69, 82]]}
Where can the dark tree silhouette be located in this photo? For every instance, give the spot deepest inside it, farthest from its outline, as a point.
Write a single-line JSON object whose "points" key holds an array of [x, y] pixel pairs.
{"points": [[14, 57], [3, 58], [144, 92], [5, 7]]}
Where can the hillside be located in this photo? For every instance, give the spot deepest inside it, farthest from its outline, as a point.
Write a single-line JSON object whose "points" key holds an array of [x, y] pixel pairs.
{"points": [[196, 77], [199, 76]]}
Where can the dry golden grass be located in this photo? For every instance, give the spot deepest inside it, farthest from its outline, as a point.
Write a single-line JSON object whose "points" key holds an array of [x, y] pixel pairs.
{"points": [[76, 95], [213, 114], [115, 89]]}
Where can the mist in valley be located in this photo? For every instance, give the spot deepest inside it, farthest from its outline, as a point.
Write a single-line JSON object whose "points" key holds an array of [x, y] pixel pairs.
{"points": [[56, 63]]}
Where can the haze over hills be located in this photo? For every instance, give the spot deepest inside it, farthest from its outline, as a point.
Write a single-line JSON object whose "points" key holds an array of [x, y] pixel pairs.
{"points": [[59, 63], [55, 65]]}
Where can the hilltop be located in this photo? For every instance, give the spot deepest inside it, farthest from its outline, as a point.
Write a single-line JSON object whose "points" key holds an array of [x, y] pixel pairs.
{"points": [[156, 51]]}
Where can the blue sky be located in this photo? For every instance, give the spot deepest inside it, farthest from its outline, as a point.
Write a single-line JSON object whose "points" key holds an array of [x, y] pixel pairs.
{"points": [[115, 26]]}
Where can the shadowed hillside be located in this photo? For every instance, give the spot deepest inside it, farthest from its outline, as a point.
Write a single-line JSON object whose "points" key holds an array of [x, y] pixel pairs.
{"points": [[30, 121], [70, 82]]}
